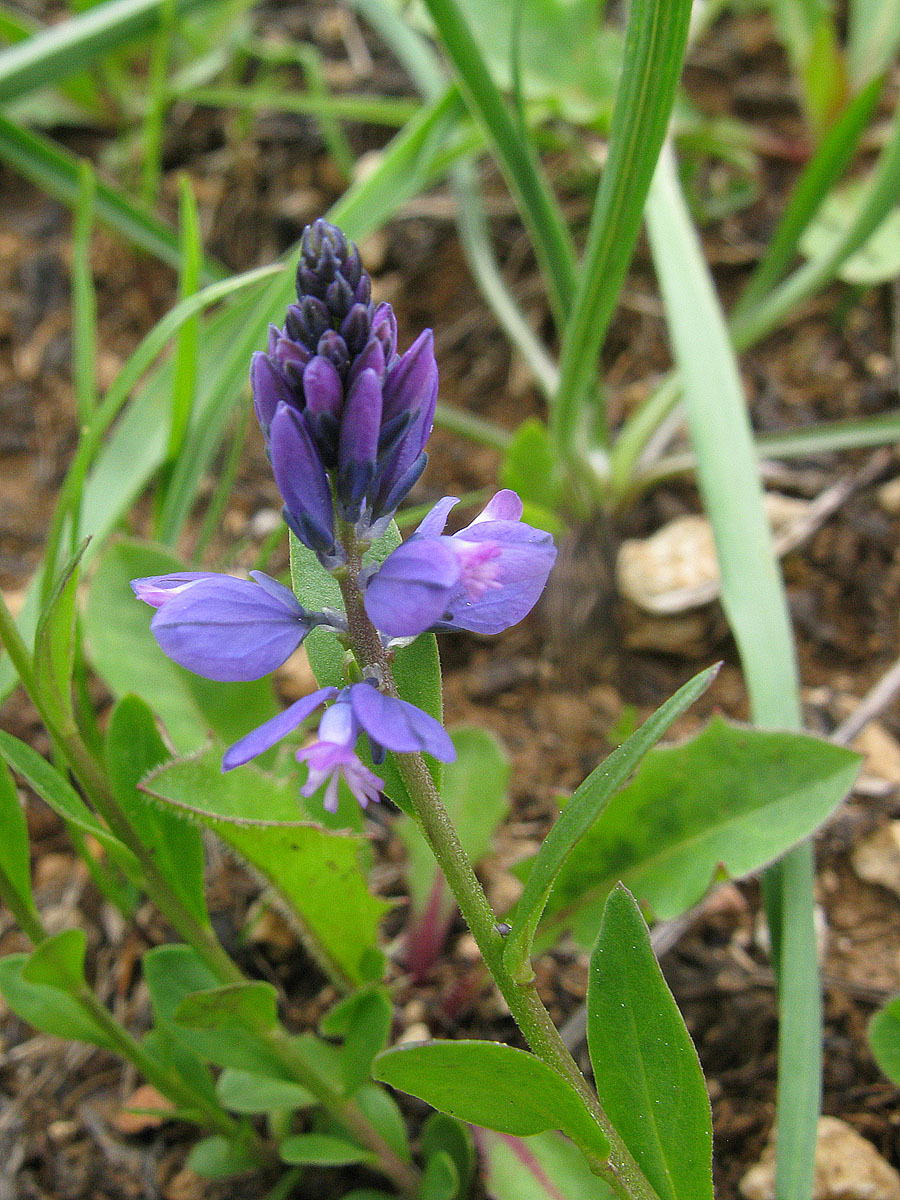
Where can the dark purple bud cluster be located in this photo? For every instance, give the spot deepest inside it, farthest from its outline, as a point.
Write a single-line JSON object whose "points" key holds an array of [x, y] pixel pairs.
{"points": [[345, 418]]}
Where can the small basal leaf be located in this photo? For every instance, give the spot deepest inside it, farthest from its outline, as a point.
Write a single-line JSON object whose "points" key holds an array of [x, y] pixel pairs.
{"points": [[878, 261], [251, 1007], [443, 1133], [217, 1158], [543, 1167], [247, 1092], [322, 1150], [440, 1180], [41, 992], [884, 1038], [364, 1022], [494, 1085], [646, 1069]]}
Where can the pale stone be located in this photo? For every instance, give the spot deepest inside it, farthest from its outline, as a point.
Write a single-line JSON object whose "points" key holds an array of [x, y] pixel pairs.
{"points": [[848, 1167], [889, 496], [876, 859], [881, 750]]}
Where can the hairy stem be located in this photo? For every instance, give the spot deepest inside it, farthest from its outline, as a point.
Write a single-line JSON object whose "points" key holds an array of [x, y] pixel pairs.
{"points": [[528, 1011]]}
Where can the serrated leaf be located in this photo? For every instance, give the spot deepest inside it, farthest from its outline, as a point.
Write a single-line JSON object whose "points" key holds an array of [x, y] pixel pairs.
{"points": [[315, 870], [494, 1085], [322, 1150], [59, 794], [646, 1070], [416, 668], [133, 748], [125, 654], [15, 858], [543, 1167], [731, 799], [248, 1092], [582, 811]]}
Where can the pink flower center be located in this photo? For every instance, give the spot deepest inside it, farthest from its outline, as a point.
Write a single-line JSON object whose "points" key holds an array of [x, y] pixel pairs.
{"points": [[479, 566]]}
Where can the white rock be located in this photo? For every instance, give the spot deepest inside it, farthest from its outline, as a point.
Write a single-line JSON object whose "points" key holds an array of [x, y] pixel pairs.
{"points": [[847, 1168], [876, 858]]}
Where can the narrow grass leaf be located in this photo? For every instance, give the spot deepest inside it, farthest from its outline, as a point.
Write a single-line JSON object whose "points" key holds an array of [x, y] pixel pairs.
{"points": [[646, 1070], [654, 51], [84, 299], [756, 606]]}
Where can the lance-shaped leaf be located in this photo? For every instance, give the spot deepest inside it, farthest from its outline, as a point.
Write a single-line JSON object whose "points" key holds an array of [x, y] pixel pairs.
{"points": [[646, 1069], [316, 871], [15, 860], [729, 799], [54, 639], [59, 794], [251, 1006], [494, 1085], [134, 747], [582, 811], [39, 988]]}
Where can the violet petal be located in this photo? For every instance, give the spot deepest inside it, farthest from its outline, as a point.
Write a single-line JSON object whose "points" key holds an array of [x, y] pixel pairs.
{"points": [[398, 725], [229, 629], [155, 590], [301, 480], [258, 740], [522, 567], [412, 589]]}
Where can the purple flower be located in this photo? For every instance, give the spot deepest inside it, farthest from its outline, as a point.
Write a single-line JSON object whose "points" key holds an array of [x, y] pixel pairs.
{"points": [[389, 724], [225, 628], [484, 578], [334, 399]]}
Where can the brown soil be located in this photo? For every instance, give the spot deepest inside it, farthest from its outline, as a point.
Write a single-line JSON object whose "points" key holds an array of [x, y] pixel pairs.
{"points": [[552, 689]]}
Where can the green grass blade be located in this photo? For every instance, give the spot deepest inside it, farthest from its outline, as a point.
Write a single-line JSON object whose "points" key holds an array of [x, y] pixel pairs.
{"points": [[873, 35], [654, 50], [15, 27], [84, 300], [56, 171], [536, 203], [819, 175], [371, 110], [332, 134], [879, 199], [64, 49], [155, 105], [754, 600]]}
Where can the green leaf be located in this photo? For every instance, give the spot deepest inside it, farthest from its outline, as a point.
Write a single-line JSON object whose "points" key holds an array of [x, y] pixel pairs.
{"points": [[884, 1038], [382, 1111], [474, 794], [38, 987], [15, 859], [54, 639], [873, 36], [582, 811], [651, 65], [251, 1007], [529, 465], [543, 1167], [218, 1158], [133, 748], [59, 794], [173, 973], [445, 1135], [878, 260], [731, 799], [416, 668], [494, 1085], [248, 1092], [316, 871], [364, 1022], [646, 1069], [322, 1150], [125, 654], [440, 1180]]}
